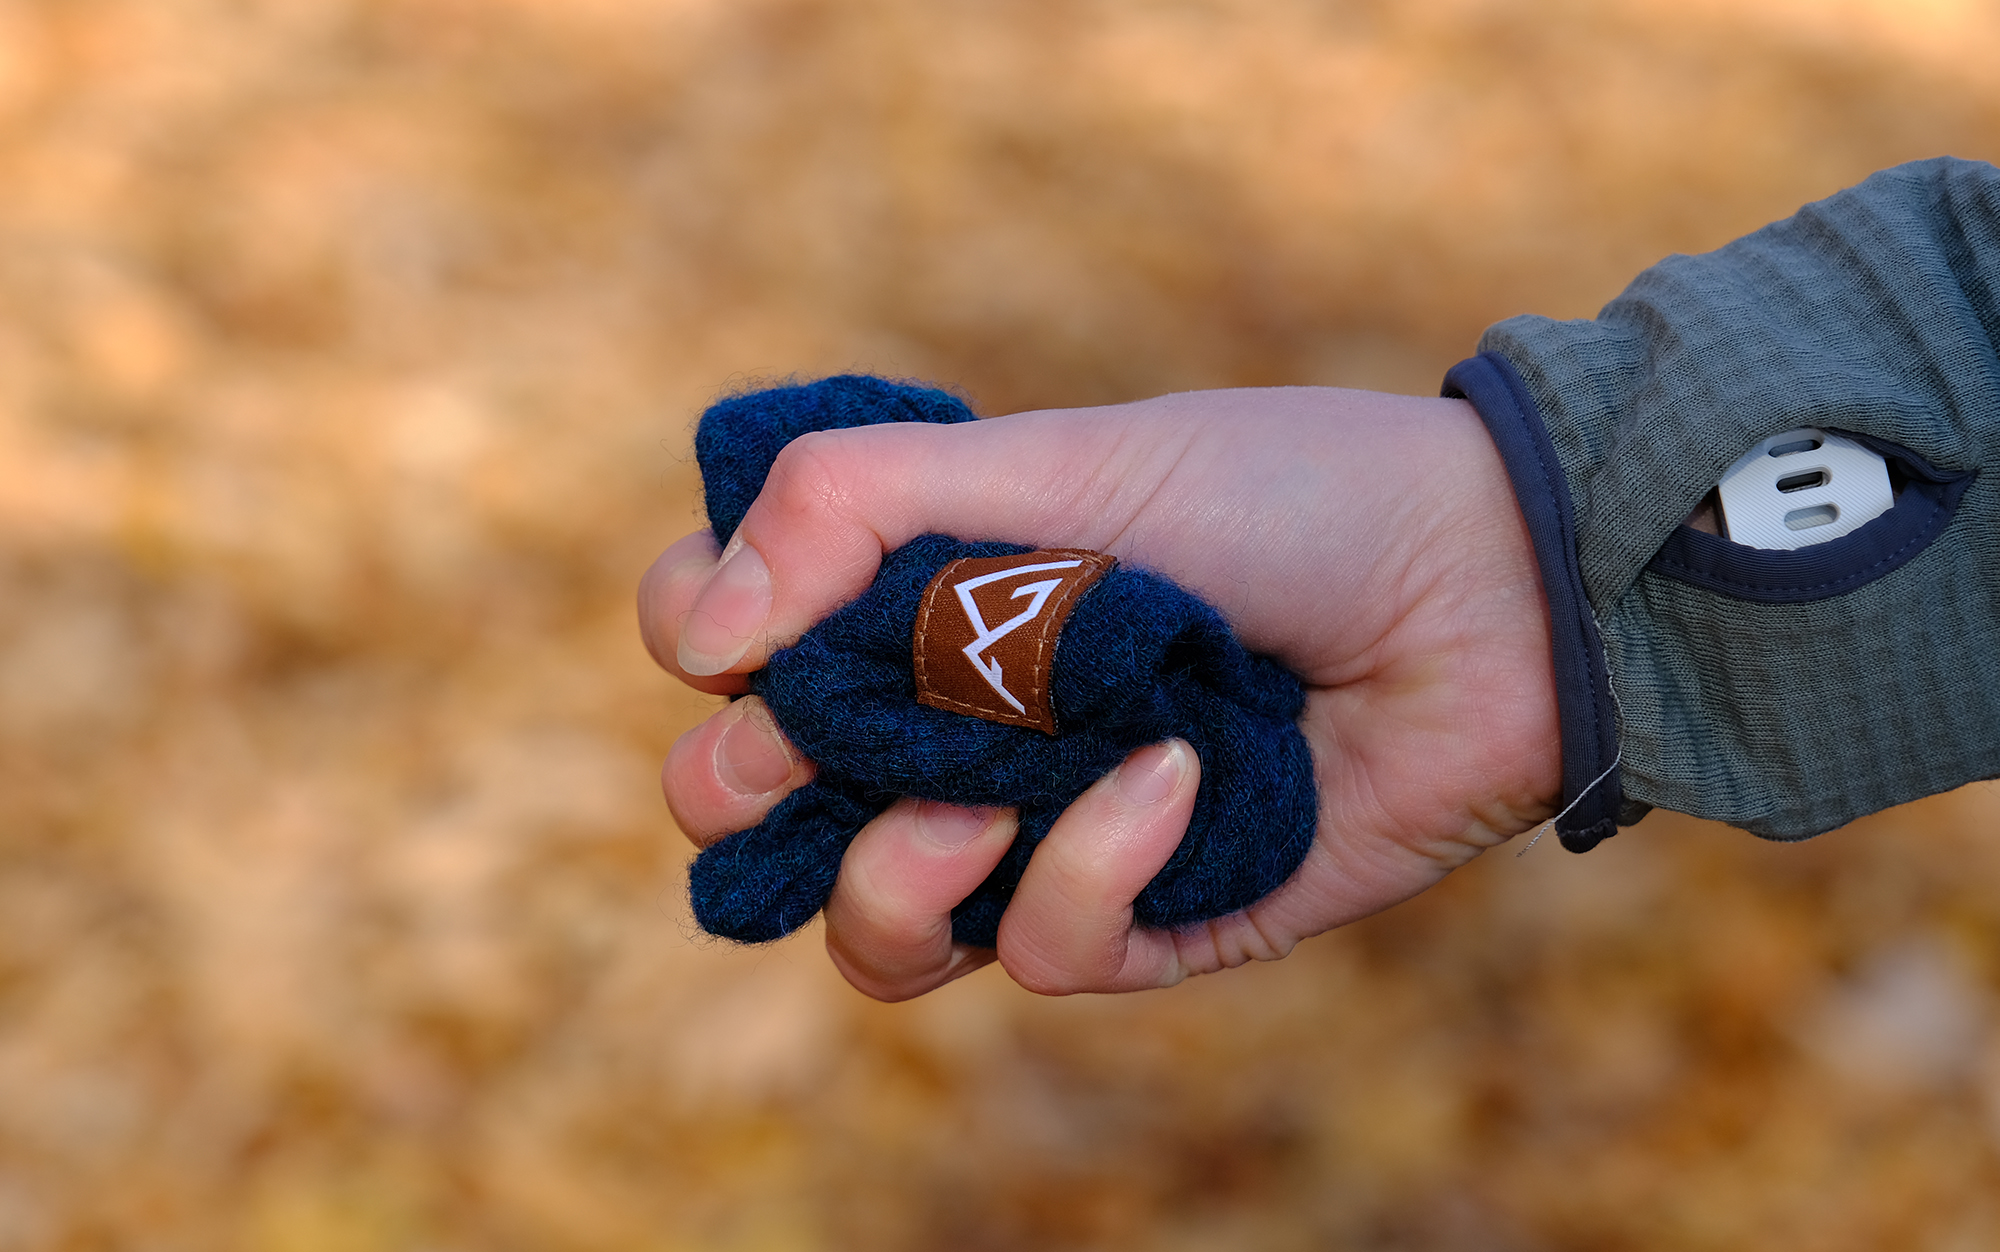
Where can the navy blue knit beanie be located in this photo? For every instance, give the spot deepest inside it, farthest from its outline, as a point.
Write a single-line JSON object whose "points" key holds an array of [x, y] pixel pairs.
{"points": [[1139, 660]]}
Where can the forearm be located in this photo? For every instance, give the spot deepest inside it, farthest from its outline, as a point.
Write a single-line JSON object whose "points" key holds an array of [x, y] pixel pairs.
{"points": [[1783, 693]]}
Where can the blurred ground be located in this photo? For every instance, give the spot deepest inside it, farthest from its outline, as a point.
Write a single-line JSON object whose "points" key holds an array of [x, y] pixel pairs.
{"points": [[347, 355]]}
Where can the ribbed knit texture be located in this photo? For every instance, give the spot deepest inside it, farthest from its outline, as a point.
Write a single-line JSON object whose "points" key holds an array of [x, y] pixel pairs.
{"points": [[1140, 660], [1875, 311]]}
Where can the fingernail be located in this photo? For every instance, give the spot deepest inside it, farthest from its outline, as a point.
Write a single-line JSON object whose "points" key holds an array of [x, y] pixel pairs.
{"points": [[949, 826], [749, 759], [728, 614], [1150, 775]]}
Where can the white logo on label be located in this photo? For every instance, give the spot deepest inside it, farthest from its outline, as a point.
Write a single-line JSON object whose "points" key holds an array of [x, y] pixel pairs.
{"points": [[988, 668]]}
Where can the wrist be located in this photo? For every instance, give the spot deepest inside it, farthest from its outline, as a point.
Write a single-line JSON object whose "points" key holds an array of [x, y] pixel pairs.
{"points": [[1590, 800]]}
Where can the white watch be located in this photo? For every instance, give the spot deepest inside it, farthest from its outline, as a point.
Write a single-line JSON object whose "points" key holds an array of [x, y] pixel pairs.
{"points": [[1801, 488]]}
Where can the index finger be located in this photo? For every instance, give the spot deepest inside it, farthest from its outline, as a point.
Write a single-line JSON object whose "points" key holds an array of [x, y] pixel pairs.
{"points": [[666, 594]]}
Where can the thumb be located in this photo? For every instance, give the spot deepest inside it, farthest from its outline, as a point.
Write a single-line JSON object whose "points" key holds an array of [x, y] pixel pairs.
{"points": [[835, 501]]}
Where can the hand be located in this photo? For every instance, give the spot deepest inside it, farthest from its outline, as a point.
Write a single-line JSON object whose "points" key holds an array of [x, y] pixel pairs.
{"points": [[1370, 542]]}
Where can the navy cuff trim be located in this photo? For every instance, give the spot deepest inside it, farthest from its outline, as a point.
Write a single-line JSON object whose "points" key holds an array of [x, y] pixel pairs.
{"points": [[1924, 504], [1591, 795]]}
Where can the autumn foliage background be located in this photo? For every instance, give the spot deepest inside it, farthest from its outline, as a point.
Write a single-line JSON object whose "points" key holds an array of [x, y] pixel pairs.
{"points": [[348, 355]]}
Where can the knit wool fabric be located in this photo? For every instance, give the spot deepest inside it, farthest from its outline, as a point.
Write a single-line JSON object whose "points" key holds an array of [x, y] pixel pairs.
{"points": [[1139, 660]]}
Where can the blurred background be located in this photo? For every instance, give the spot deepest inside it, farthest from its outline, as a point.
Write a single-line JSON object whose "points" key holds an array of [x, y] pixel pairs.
{"points": [[348, 356]]}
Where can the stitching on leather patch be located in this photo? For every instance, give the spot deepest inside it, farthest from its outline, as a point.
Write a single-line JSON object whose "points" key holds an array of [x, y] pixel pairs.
{"points": [[987, 629]]}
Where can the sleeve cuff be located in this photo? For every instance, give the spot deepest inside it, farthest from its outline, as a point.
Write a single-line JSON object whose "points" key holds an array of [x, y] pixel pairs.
{"points": [[1592, 799]]}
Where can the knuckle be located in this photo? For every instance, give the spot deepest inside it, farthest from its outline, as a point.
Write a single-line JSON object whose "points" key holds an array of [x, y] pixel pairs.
{"points": [[667, 589], [874, 985], [1039, 974], [1238, 939], [675, 794], [1042, 985], [890, 992], [878, 966], [810, 476], [868, 905]]}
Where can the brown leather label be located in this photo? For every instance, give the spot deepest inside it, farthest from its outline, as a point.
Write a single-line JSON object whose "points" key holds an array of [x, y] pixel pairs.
{"points": [[987, 628]]}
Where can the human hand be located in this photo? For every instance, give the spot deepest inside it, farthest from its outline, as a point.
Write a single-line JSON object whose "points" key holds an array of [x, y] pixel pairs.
{"points": [[1370, 542]]}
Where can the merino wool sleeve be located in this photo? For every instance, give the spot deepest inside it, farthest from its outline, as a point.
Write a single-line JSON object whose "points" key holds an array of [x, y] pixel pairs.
{"points": [[1784, 692]]}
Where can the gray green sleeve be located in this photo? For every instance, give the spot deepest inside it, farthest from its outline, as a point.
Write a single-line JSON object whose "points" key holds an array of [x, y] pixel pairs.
{"points": [[1787, 693]]}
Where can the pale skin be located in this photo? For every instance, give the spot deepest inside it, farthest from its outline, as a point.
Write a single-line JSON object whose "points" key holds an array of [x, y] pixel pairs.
{"points": [[1371, 542]]}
